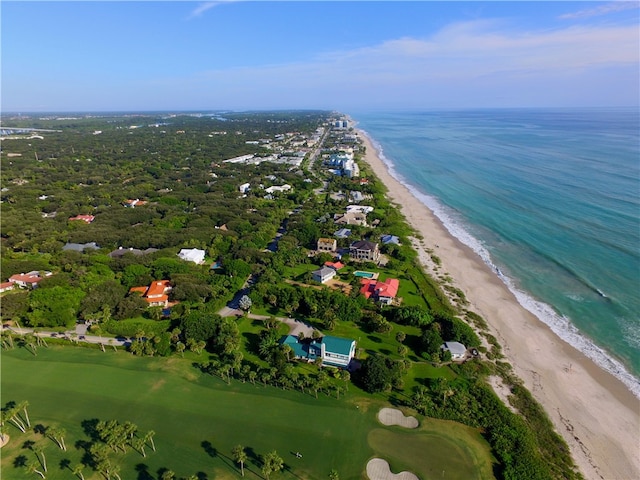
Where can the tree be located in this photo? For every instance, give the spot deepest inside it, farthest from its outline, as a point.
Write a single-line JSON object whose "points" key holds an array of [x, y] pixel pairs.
{"points": [[240, 456], [376, 376], [77, 470], [401, 336], [57, 434], [33, 468], [149, 437], [333, 475], [39, 451], [245, 303], [271, 463]]}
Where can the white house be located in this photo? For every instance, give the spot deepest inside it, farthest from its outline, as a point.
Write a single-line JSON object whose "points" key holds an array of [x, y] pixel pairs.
{"points": [[244, 188], [194, 255], [324, 274], [278, 188], [458, 350]]}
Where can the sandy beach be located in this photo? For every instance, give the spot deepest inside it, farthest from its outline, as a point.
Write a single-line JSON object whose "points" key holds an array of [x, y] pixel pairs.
{"points": [[596, 414]]}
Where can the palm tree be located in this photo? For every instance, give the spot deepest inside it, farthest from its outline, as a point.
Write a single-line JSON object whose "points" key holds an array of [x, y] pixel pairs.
{"points": [[333, 475], [138, 444], [272, 463], [252, 376], [168, 475], [33, 468], [23, 406], [149, 437], [39, 451], [240, 456], [77, 470]]}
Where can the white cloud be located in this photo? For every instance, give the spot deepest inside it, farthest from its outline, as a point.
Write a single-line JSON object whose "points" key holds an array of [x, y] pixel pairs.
{"points": [[483, 59], [203, 7], [601, 10]]}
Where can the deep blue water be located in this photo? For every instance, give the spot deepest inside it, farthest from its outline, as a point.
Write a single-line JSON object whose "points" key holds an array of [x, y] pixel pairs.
{"points": [[550, 198]]}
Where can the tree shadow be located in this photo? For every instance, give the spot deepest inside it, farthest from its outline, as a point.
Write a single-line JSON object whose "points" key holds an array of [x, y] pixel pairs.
{"points": [[41, 429], [65, 463], [374, 339], [209, 448], [143, 472], [89, 428], [20, 461]]}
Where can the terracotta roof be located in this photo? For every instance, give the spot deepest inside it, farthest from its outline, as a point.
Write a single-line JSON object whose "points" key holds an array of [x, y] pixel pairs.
{"points": [[84, 218], [388, 288], [25, 278], [334, 265]]}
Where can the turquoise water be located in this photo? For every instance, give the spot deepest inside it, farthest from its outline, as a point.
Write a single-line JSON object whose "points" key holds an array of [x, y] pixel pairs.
{"points": [[548, 198], [359, 273]]}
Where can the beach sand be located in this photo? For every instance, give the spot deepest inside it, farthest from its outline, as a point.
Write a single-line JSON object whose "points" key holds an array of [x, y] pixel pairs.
{"points": [[594, 412]]}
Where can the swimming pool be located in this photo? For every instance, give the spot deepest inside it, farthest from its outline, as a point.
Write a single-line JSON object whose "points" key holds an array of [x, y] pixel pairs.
{"points": [[360, 273]]}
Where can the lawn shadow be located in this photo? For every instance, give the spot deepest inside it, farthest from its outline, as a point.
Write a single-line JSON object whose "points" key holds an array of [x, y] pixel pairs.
{"points": [[209, 448], [253, 341], [90, 428]]}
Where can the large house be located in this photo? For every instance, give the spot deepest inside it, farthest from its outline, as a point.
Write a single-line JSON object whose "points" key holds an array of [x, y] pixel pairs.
{"points": [[81, 247], [327, 245], [364, 251], [334, 351], [350, 218], [324, 274], [28, 280], [194, 255], [156, 294], [383, 292]]}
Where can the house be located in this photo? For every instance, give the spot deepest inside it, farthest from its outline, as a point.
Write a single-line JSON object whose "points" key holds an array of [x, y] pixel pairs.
{"points": [[350, 218], [28, 280], [134, 203], [364, 251], [327, 245], [342, 233], [335, 265], [244, 188], [194, 255], [6, 286], [123, 251], [155, 294], [356, 196], [334, 351], [382, 292], [390, 239], [458, 350], [278, 188], [324, 274], [81, 247], [84, 218], [359, 209]]}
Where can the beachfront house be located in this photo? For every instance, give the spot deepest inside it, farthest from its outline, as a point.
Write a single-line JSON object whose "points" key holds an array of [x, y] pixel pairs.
{"points": [[382, 292], [458, 350], [350, 218], [334, 351], [324, 274], [194, 255], [364, 251], [327, 245]]}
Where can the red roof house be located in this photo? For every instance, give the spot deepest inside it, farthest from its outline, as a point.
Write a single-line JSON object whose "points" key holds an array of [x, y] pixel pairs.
{"points": [[84, 218], [155, 294], [334, 265], [383, 292], [25, 280], [6, 286]]}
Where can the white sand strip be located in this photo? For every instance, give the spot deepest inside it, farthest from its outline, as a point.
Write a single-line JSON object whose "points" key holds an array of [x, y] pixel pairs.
{"points": [[393, 416], [378, 469]]}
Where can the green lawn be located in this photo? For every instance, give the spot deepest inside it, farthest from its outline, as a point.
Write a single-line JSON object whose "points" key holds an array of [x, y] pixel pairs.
{"points": [[66, 386]]}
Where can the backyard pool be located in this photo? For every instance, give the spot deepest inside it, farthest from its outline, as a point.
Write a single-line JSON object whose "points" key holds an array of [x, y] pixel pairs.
{"points": [[360, 273]]}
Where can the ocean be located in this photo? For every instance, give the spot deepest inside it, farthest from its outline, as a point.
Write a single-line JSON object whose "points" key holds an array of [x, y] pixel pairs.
{"points": [[549, 198]]}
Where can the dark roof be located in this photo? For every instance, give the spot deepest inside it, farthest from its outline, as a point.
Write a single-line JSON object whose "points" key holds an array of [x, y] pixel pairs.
{"points": [[364, 245]]}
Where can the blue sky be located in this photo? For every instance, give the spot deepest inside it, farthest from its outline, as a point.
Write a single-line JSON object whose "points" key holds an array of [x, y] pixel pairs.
{"points": [[348, 56]]}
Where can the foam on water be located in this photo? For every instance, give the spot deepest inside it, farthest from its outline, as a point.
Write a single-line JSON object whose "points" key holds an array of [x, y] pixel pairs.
{"points": [[559, 324]]}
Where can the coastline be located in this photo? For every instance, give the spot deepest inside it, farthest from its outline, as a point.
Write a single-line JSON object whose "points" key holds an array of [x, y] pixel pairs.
{"points": [[596, 414]]}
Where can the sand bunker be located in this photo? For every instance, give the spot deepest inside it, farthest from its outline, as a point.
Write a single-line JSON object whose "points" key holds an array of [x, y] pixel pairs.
{"points": [[378, 469], [393, 416]]}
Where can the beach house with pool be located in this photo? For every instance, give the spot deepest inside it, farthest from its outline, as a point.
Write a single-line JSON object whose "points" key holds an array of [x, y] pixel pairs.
{"points": [[334, 351]]}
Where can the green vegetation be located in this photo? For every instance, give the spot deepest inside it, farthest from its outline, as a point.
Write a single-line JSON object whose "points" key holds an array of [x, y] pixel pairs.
{"points": [[203, 396]]}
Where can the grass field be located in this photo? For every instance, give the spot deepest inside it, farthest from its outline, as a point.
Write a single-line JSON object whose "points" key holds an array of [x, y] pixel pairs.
{"points": [[198, 419]]}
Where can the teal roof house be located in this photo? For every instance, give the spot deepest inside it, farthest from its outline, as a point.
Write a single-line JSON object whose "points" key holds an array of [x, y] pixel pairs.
{"points": [[334, 351]]}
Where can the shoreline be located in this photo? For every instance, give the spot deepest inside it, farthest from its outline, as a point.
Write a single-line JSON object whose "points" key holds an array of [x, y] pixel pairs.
{"points": [[595, 412]]}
